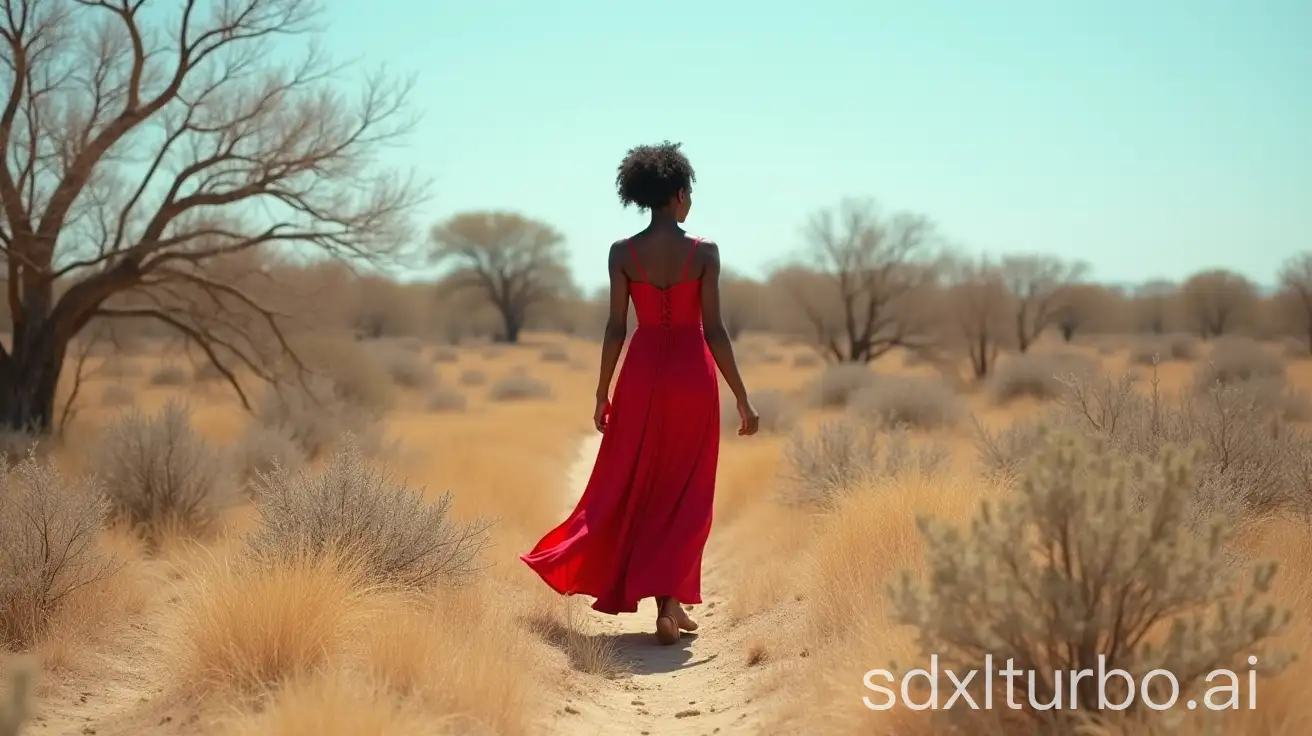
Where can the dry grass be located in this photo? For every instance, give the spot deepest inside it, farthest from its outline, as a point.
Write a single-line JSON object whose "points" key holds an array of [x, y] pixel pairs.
{"points": [[170, 374], [115, 395], [838, 383], [444, 400], [1237, 360], [247, 626], [1163, 349], [842, 455], [472, 377]]}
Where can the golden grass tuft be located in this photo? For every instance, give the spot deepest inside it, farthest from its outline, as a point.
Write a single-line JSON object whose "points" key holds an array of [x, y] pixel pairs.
{"points": [[245, 627]]}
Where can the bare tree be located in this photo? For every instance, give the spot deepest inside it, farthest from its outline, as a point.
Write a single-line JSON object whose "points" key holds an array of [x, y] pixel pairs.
{"points": [[135, 152], [979, 311], [516, 262], [1151, 305], [1083, 306], [858, 292], [1296, 301], [742, 301], [1215, 300], [1037, 284]]}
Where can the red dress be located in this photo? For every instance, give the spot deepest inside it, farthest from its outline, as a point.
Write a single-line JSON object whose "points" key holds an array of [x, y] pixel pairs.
{"points": [[641, 525]]}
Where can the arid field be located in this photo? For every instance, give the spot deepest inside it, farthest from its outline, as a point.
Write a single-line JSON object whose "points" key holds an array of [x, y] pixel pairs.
{"points": [[175, 564], [292, 369]]}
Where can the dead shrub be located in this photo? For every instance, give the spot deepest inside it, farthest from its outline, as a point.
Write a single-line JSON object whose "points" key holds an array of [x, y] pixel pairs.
{"points": [[354, 508], [18, 445], [408, 370], [554, 354], [355, 376], [1235, 360], [316, 416], [1163, 348], [838, 383], [843, 455], [207, 372], [518, 387], [1077, 570], [909, 401], [806, 360], [261, 449], [48, 545], [161, 475], [777, 411], [116, 395], [1249, 461], [170, 374], [445, 354], [1036, 375], [1296, 349], [444, 400], [472, 377]]}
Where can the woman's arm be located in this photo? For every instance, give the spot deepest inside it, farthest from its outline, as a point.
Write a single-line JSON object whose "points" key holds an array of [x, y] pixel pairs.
{"points": [[717, 335], [617, 324]]}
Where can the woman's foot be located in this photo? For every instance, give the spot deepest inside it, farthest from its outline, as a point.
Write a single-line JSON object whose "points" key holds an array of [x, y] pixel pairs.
{"points": [[683, 619], [667, 621]]}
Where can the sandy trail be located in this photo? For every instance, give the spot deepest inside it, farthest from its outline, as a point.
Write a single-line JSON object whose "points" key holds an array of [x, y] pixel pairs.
{"points": [[699, 686]]}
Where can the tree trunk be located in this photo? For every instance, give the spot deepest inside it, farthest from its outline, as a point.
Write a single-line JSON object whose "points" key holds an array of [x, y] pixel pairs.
{"points": [[1067, 332], [28, 381]]}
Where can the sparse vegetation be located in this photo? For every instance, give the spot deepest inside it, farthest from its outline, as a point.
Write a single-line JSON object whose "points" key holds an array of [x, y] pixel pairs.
{"points": [[48, 545], [161, 476], [842, 455], [1036, 375], [518, 387], [442, 399], [838, 383], [919, 403], [363, 513]]}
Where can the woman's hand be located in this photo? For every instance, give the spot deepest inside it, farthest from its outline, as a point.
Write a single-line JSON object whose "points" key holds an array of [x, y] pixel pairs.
{"points": [[751, 421], [601, 414]]}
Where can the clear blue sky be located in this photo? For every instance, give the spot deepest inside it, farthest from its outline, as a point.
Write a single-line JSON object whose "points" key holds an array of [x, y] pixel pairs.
{"points": [[1148, 138]]}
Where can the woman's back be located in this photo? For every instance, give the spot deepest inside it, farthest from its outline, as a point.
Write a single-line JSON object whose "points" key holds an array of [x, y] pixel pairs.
{"points": [[664, 289]]}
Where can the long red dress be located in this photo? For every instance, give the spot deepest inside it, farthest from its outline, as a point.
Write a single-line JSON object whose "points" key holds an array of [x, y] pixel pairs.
{"points": [[641, 525]]}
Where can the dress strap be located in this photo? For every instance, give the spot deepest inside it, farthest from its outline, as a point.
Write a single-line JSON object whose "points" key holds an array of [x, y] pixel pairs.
{"points": [[636, 263], [688, 263]]}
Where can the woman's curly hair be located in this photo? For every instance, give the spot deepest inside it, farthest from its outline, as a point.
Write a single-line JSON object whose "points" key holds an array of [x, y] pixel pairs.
{"points": [[650, 176]]}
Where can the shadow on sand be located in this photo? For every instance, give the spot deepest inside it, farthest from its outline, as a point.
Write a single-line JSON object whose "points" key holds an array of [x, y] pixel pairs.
{"points": [[637, 653]]}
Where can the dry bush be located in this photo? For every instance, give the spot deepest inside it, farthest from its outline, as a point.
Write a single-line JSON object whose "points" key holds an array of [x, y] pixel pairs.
{"points": [[1296, 349], [117, 367], [170, 374], [408, 370], [838, 383], [18, 445], [1237, 359], [1163, 348], [115, 395], [48, 545], [1091, 557], [843, 455], [350, 506], [1036, 375], [246, 626], [518, 387], [259, 450], [1249, 461], [777, 411], [472, 377], [316, 416], [334, 705], [161, 475], [445, 354], [17, 685], [921, 403], [444, 400], [806, 360], [554, 354], [355, 376]]}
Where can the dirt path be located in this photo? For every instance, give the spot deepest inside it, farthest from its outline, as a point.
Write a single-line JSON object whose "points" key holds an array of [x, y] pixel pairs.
{"points": [[699, 686]]}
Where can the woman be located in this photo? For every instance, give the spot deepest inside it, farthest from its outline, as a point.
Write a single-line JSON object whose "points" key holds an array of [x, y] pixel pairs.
{"points": [[641, 525]]}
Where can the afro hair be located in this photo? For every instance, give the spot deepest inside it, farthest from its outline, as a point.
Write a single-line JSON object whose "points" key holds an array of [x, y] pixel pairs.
{"points": [[650, 176]]}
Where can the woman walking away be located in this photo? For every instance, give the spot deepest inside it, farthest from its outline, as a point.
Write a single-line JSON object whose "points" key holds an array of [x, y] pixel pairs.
{"points": [[640, 527]]}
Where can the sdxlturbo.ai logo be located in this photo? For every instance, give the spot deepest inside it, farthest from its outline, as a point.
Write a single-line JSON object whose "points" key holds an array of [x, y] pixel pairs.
{"points": [[1115, 689]]}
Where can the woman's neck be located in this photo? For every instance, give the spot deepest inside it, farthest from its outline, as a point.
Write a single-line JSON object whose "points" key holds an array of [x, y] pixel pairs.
{"points": [[663, 219]]}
